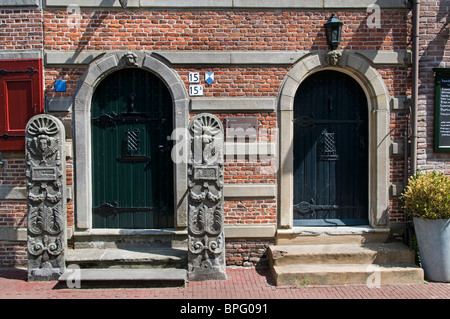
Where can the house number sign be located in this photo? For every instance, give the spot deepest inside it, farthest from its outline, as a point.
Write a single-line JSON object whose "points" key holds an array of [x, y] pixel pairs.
{"points": [[196, 90]]}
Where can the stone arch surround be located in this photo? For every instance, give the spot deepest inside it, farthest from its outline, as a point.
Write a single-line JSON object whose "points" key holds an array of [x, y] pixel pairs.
{"points": [[98, 70], [378, 100]]}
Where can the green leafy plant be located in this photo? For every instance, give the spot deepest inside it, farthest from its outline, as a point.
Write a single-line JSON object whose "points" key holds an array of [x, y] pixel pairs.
{"points": [[427, 196]]}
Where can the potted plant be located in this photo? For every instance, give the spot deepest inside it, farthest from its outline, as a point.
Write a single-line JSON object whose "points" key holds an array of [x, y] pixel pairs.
{"points": [[427, 199]]}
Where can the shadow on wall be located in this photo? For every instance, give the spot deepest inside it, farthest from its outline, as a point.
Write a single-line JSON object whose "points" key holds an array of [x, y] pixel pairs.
{"points": [[434, 52]]}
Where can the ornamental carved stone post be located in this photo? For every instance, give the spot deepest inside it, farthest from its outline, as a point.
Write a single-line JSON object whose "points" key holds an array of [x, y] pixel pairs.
{"points": [[206, 239], [46, 182]]}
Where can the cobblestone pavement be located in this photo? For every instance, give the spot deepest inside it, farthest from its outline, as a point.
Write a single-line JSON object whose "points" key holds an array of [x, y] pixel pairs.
{"points": [[242, 283]]}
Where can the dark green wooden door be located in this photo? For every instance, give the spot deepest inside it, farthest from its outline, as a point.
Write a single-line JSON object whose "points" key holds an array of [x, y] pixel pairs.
{"points": [[330, 151], [132, 172]]}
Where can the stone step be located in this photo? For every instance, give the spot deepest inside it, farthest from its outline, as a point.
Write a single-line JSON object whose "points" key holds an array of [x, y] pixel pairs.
{"points": [[122, 278], [331, 235], [129, 238], [343, 274], [371, 253], [132, 257]]}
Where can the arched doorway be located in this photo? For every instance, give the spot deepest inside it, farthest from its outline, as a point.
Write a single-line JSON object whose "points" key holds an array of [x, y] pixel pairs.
{"points": [[132, 172], [330, 151]]}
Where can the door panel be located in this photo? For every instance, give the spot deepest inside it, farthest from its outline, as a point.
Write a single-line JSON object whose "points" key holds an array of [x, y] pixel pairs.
{"points": [[330, 151], [131, 164], [21, 97]]}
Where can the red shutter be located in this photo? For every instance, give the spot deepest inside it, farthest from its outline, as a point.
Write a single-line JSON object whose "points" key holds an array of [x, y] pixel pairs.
{"points": [[21, 97]]}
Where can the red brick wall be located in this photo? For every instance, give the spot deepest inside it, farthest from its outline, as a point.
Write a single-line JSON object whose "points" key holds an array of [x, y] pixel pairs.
{"points": [[20, 29], [247, 253], [233, 30], [240, 81], [13, 212], [434, 49], [219, 30], [13, 254], [13, 172]]}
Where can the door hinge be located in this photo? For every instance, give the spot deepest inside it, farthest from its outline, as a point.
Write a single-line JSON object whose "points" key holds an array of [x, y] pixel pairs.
{"points": [[30, 70]]}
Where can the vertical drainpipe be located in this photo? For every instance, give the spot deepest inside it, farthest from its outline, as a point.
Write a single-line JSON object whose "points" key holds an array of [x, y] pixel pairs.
{"points": [[415, 84]]}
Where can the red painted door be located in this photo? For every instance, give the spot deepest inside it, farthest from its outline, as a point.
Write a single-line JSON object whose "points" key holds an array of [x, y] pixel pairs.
{"points": [[21, 97]]}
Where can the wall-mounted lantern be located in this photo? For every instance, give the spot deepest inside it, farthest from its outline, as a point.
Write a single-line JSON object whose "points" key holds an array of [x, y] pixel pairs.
{"points": [[333, 29]]}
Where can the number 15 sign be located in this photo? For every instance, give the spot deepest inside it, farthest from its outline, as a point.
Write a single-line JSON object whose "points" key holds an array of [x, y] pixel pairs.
{"points": [[195, 89]]}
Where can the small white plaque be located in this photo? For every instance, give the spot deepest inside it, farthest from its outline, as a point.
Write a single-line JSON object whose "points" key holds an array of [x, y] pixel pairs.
{"points": [[194, 77], [196, 90]]}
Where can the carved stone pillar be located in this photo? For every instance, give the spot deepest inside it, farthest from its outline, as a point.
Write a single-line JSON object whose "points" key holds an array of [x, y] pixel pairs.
{"points": [[46, 183], [206, 237]]}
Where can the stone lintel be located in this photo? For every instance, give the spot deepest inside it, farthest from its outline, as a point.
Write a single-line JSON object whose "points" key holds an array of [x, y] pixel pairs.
{"points": [[377, 57], [250, 190], [13, 192], [228, 104], [231, 4], [9, 233], [19, 3], [249, 231]]}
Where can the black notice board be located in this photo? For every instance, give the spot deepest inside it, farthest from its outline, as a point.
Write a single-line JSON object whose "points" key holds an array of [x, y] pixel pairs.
{"points": [[442, 110]]}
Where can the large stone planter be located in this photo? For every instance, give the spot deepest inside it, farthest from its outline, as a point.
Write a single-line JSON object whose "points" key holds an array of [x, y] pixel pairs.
{"points": [[433, 237]]}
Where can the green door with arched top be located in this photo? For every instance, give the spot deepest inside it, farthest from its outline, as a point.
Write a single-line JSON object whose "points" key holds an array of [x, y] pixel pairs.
{"points": [[132, 172], [331, 147]]}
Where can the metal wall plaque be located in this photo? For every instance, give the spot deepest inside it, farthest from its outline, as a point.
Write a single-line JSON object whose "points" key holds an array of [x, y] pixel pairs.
{"points": [[241, 128], [442, 110], [206, 173], [43, 174]]}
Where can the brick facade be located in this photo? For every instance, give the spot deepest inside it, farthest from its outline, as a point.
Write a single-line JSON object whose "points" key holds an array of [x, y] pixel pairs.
{"points": [[434, 52], [52, 29]]}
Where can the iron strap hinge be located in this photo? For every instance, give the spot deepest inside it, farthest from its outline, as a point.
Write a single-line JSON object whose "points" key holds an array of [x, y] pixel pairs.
{"points": [[6, 136], [305, 121], [305, 207], [113, 119], [30, 70], [108, 209]]}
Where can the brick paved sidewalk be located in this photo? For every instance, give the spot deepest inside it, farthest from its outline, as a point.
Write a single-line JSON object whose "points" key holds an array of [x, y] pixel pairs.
{"points": [[242, 283]]}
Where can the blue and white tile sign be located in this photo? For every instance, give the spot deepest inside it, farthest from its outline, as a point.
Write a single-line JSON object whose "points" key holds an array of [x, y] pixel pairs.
{"points": [[209, 77]]}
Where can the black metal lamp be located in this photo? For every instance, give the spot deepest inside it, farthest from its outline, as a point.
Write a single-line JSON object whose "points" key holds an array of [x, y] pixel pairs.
{"points": [[333, 29]]}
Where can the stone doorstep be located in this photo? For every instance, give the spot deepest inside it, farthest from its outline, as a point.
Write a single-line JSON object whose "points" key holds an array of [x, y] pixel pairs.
{"points": [[343, 274], [331, 235], [137, 257], [341, 264], [128, 239], [113, 278], [372, 253]]}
